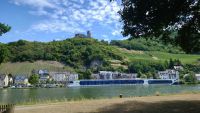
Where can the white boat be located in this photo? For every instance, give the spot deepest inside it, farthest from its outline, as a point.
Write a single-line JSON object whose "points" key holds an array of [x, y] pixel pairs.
{"points": [[120, 82]]}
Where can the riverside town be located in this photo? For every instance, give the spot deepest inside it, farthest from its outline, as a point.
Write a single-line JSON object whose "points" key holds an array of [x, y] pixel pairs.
{"points": [[99, 56]]}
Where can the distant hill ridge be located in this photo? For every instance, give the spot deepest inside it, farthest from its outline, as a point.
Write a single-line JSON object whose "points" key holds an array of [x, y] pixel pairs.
{"points": [[89, 53]]}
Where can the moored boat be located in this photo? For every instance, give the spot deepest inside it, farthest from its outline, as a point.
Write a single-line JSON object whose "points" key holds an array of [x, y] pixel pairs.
{"points": [[120, 82]]}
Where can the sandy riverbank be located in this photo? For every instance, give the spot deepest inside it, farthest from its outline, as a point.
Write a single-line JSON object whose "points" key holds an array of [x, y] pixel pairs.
{"points": [[179, 103]]}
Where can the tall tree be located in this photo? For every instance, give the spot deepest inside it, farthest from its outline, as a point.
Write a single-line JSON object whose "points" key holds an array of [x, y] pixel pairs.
{"points": [[3, 53], [159, 17], [34, 79], [4, 28], [189, 38]]}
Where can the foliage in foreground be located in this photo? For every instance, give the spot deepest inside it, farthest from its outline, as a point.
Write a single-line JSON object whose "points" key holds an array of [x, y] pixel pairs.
{"points": [[152, 18], [4, 28]]}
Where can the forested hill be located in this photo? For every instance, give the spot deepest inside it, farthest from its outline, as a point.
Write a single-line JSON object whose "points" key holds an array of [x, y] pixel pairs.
{"points": [[75, 52], [88, 53]]}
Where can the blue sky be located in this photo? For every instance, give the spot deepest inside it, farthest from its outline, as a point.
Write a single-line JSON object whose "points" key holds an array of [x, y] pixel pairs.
{"points": [[47, 20]]}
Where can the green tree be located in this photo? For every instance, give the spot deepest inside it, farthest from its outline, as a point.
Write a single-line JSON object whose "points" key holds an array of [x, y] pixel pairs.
{"points": [[171, 64], [4, 28], [143, 76], [3, 53], [189, 38], [87, 74], [190, 78], [145, 67], [34, 79], [152, 18], [49, 81], [149, 75], [139, 74]]}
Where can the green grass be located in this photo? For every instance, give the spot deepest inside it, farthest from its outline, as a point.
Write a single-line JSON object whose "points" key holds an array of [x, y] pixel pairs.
{"points": [[184, 58], [156, 56]]}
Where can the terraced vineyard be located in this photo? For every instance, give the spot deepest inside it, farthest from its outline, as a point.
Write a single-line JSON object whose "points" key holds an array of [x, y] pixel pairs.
{"points": [[156, 56], [25, 68]]}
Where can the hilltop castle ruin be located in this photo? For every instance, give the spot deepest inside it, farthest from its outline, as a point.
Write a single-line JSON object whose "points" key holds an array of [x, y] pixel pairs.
{"points": [[80, 35]]}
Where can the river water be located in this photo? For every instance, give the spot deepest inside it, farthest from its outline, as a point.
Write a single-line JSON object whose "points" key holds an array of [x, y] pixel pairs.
{"points": [[42, 94]]}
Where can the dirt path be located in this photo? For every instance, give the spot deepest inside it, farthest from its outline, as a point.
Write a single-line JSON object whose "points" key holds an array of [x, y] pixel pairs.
{"points": [[181, 103]]}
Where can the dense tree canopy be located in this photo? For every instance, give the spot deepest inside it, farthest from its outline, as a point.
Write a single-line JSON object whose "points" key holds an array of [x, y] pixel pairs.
{"points": [[3, 50], [34, 79], [74, 52], [161, 17], [4, 28]]}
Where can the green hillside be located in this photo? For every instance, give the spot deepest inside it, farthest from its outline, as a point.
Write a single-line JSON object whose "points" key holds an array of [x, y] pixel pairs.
{"points": [[79, 54], [144, 44], [25, 68], [157, 56]]}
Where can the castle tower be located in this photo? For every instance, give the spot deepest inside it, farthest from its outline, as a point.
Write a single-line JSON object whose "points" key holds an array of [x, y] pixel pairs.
{"points": [[89, 34]]}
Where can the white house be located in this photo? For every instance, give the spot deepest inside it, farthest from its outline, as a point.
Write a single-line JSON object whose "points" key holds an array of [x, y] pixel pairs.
{"points": [[21, 80], [106, 75], [178, 67], [72, 77], [4, 80], [60, 77], [128, 75], [197, 76], [43, 72], [117, 75], [43, 78], [95, 76], [109, 75], [169, 74]]}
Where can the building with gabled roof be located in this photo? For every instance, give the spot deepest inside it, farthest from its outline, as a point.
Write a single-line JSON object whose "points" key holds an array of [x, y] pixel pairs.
{"points": [[4, 80]]}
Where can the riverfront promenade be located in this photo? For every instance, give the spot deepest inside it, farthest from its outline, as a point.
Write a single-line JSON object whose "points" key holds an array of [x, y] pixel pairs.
{"points": [[179, 103]]}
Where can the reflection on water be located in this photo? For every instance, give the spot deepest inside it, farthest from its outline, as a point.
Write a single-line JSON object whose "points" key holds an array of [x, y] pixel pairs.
{"points": [[23, 95]]}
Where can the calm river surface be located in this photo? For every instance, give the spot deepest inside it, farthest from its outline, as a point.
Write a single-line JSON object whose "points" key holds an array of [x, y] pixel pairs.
{"points": [[27, 95]]}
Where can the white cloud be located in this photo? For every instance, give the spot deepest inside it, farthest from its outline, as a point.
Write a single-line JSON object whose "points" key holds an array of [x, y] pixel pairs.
{"points": [[82, 1], [73, 15], [57, 39], [35, 3], [105, 36], [106, 39], [56, 26], [116, 32]]}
